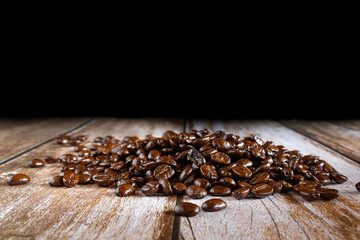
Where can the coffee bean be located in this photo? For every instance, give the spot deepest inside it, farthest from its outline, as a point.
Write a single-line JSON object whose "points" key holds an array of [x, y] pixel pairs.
{"points": [[262, 177], [261, 190], [214, 205], [70, 180], [228, 182], [195, 192], [241, 193], [209, 172], [202, 182], [49, 159], [36, 163], [179, 188], [220, 157], [357, 186], [150, 188], [220, 190], [124, 190], [84, 178], [165, 187], [56, 181], [103, 179], [328, 193], [18, 179], [187, 209]]}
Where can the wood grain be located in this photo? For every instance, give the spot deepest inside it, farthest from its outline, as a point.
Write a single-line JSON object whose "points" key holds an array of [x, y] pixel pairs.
{"points": [[38, 211], [20, 135], [281, 216], [342, 136]]}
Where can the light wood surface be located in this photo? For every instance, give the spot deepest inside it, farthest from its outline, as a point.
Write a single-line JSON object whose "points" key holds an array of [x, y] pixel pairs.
{"points": [[19, 135], [342, 136], [38, 211]]}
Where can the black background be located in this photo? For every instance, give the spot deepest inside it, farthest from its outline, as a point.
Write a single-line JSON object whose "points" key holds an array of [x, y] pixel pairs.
{"points": [[301, 81]]}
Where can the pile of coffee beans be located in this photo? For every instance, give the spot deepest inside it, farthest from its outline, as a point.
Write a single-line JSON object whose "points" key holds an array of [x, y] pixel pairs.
{"points": [[196, 163]]}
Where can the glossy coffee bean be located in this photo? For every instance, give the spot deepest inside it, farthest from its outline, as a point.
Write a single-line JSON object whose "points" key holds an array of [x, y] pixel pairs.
{"points": [[18, 179], [195, 192], [241, 193], [49, 159], [124, 190], [56, 181], [202, 182], [70, 180], [228, 182], [165, 187], [179, 188], [209, 172], [357, 186], [35, 163], [261, 190], [103, 179], [338, 178], [187, 209], [328, 193], [150, 188], [220, 157], [220, 190], [262, 177], [84, 178], [213, 205]]}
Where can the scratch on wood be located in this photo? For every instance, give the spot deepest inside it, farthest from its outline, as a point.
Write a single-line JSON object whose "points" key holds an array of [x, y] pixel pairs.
{"points": [[192, 231], [277, 229], [291, 217]]}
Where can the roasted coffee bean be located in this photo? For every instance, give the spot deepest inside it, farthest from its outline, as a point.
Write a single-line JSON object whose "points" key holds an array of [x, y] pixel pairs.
{"points": [[328, 193], [165, 187], [84, 178], [308, 193], [220, 157], [49, 159], [214, 205], [164, 170], [241, 172], [103, 179], [70, 180], [187, 209], [245, 162], [35, 163], [179, 188], [18, 179], [195, 157], [220, 190], [195, 192], [228, 182], [261, 190], [150, 188], [277, 186], [126, 181], [338, 178], [241, 193], [185, 173], [202, 182], [357, 186], [124, 190], [262, 177], [56, 181], [209, 172]]}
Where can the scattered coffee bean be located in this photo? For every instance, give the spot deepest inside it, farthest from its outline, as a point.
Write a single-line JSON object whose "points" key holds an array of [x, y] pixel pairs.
{"points": [[56, 181], [213, 205], [18, 179], [124, 190], [187, 209], [36, 163], [195, 192], [358, 186]]}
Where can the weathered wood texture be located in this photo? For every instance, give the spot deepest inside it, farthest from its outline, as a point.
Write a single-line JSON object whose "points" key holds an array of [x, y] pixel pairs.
{"points": [[38, 211], [19, 135], [342, 136], [281, 216]]}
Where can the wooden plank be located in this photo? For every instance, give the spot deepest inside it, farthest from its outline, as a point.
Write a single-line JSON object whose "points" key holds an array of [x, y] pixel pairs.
{"points": [[20, 135], [38, 211], [342, 136], [281, 216]]}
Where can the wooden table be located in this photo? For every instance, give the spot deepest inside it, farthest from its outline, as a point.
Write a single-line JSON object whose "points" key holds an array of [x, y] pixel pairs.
{"points": [[38, 211]]}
